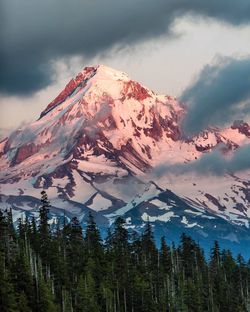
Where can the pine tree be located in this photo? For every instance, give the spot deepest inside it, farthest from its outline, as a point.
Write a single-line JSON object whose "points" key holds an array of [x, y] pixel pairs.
{"points": [[86, 294], [165, 266], [148, 245], [46, 300], [216, 274], [44, 216], [119, 254], [22, 278], [44, 231], [93, 240], [74, 249], [8, 297], [150, 263]]}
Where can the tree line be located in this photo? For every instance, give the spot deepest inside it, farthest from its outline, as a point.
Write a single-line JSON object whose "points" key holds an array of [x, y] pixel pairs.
{"points": [[70, 269]]}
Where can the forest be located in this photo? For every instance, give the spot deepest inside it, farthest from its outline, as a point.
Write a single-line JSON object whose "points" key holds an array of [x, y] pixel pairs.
{"points": [[67, 268]]}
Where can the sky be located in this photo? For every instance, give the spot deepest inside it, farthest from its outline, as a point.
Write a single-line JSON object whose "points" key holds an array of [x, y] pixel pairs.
{"points": [[198, 51]]}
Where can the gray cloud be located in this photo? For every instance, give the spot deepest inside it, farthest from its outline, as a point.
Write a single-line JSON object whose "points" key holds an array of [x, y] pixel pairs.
{"points": [[211, 163], [34, 33], [221, 94], [217, 164], [5, 132]]}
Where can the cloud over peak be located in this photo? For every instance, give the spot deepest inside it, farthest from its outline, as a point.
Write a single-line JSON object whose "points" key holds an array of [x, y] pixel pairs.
{"points": [[33, 34], [220, 95]]}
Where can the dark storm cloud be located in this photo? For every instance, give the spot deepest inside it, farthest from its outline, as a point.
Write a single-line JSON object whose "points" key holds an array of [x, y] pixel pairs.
{"points": [[211, 163], [221, 94], [33, 33]]}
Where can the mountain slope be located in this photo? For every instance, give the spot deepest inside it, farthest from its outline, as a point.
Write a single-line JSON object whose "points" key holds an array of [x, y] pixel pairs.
{"points": [[98, 144]]}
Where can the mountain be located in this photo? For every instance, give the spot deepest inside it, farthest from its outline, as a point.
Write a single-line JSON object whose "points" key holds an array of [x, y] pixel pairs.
{"points": [[105, 144]]}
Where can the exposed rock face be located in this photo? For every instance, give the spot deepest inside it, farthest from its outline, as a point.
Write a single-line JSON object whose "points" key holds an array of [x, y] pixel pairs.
{"points": [[242, 127], [23, 152], [80, 79], [135, 91]]}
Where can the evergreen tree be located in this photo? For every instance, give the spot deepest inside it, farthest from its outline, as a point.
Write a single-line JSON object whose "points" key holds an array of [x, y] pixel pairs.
{"points": [[8, 297], [44, 231], [86, 294], [75, 250], [46, 300], [93, 240], [44, 216]]}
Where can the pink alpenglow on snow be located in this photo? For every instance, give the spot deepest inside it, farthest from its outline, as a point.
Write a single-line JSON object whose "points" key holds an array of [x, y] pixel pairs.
{"points": [[104, 132]]}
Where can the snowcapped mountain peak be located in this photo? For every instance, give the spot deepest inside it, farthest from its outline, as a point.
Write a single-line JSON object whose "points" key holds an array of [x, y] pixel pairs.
{"points": [[103, 110], [98, 77], [106, 72], [93, 144]]}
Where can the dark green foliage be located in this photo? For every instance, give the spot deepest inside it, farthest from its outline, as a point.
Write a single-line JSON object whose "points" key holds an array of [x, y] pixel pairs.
{"points": [[68, 269], [8, 296], [44, 229]]}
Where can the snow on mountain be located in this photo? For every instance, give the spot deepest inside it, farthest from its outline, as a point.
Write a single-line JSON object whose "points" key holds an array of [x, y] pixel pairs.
{"points": [[93, 148]]}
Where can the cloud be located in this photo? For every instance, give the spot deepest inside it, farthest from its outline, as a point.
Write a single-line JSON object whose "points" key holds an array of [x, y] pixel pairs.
{"points": [[221, 94], [211, 163], [36, 33], [215, 163], [92, 127], [6, 132]]}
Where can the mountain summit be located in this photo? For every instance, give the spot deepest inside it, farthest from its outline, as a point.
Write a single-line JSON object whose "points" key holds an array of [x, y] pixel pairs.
{"points": [[99, 146]]}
